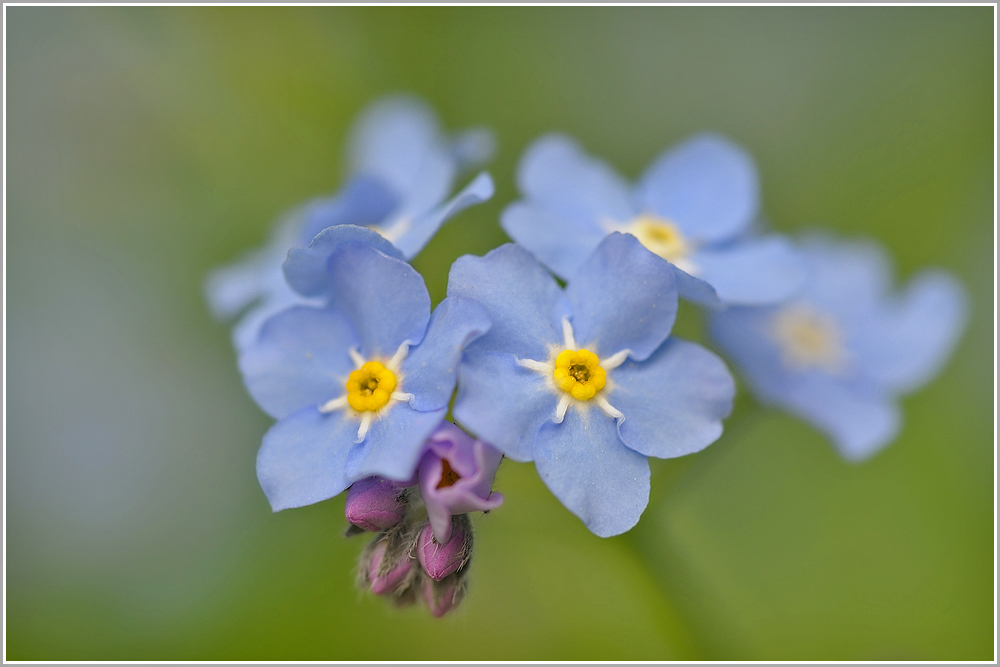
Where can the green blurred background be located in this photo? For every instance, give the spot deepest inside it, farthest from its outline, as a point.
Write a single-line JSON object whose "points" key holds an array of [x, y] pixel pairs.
{"points": [[148, 145]]}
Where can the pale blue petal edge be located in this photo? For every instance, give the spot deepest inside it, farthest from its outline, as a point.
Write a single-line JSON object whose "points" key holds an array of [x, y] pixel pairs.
{"points": [[479, 190], [430, 370], [591, 472], [674, 402]]}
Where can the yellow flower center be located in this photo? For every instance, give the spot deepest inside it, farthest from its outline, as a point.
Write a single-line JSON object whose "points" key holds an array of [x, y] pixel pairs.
{"points": [[660, 236], [370, 387], [808, 339], [579, 373]]}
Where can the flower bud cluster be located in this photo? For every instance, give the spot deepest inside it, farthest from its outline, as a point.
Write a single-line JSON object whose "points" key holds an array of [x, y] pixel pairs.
{"points": [[425, 538]]}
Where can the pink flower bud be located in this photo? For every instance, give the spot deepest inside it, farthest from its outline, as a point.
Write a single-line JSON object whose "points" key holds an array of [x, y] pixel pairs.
{"points": [[456, 476], [441, 559], [376, 504], [386, 577], [443, 596]]}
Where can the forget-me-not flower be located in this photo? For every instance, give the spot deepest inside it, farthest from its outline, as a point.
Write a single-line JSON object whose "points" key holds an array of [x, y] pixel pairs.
{"points": [[839, 353], [359, 384], [694, 207], [584, 381], [402, 167]]}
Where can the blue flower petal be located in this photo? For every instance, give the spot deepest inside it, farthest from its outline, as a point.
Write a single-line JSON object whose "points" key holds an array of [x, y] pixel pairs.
{"points": [[502, 403], [695, 290], [562, 243], [432, 185], [706, 185], [384, 298], [424, 227], [592, 473], [916, 332], [848, 278], [858, 420], [674, 402], [744, 335], [365, 200], [299, 359], [231, 288], [281, 297], [753, 272], [850, 409], [555, 171], [393, 445], [430, 369], [522, 299], [303, 457], [305, 269], [623, 298], [392, 141]]}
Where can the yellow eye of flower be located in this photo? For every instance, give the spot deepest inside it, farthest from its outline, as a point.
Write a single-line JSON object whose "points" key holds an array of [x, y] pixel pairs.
{"points": [[660, 236], [808, 339], [579, 374], [370, 387]]}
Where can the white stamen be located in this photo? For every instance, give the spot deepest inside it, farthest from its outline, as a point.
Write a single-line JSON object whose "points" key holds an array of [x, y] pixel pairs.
{"points": [[609, 409], [401, 396], [366, 423], [356, 357], [569, 342], [398, 358], [615, 360], [561, 408], [334, 404], [537, 366]]}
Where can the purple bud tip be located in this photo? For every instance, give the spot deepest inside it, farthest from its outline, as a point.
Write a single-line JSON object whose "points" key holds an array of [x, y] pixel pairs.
{"points": [[375, 504], [383, 582], [440, 597], [439, 560]]}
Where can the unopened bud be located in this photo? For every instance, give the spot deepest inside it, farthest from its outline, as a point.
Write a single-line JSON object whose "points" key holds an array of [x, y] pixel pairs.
{"points": [[376, 504], [385, 576], [387, 567], [441, 559], [443, 596]]}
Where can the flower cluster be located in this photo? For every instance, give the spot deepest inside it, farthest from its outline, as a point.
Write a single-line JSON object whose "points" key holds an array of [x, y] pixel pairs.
{"points": [[425, 537], [555, 349]]}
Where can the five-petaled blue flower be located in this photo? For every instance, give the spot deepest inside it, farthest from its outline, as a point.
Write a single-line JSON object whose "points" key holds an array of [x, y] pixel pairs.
{"points": [[402, 167], [359, 384], [840, 352], [694, 207], [584, 380]]}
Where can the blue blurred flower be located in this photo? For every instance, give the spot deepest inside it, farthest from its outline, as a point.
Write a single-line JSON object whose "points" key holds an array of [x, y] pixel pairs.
{"points": [[581, 381], [357, 385], [402, 167], [694, 206], [840, 352]]}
